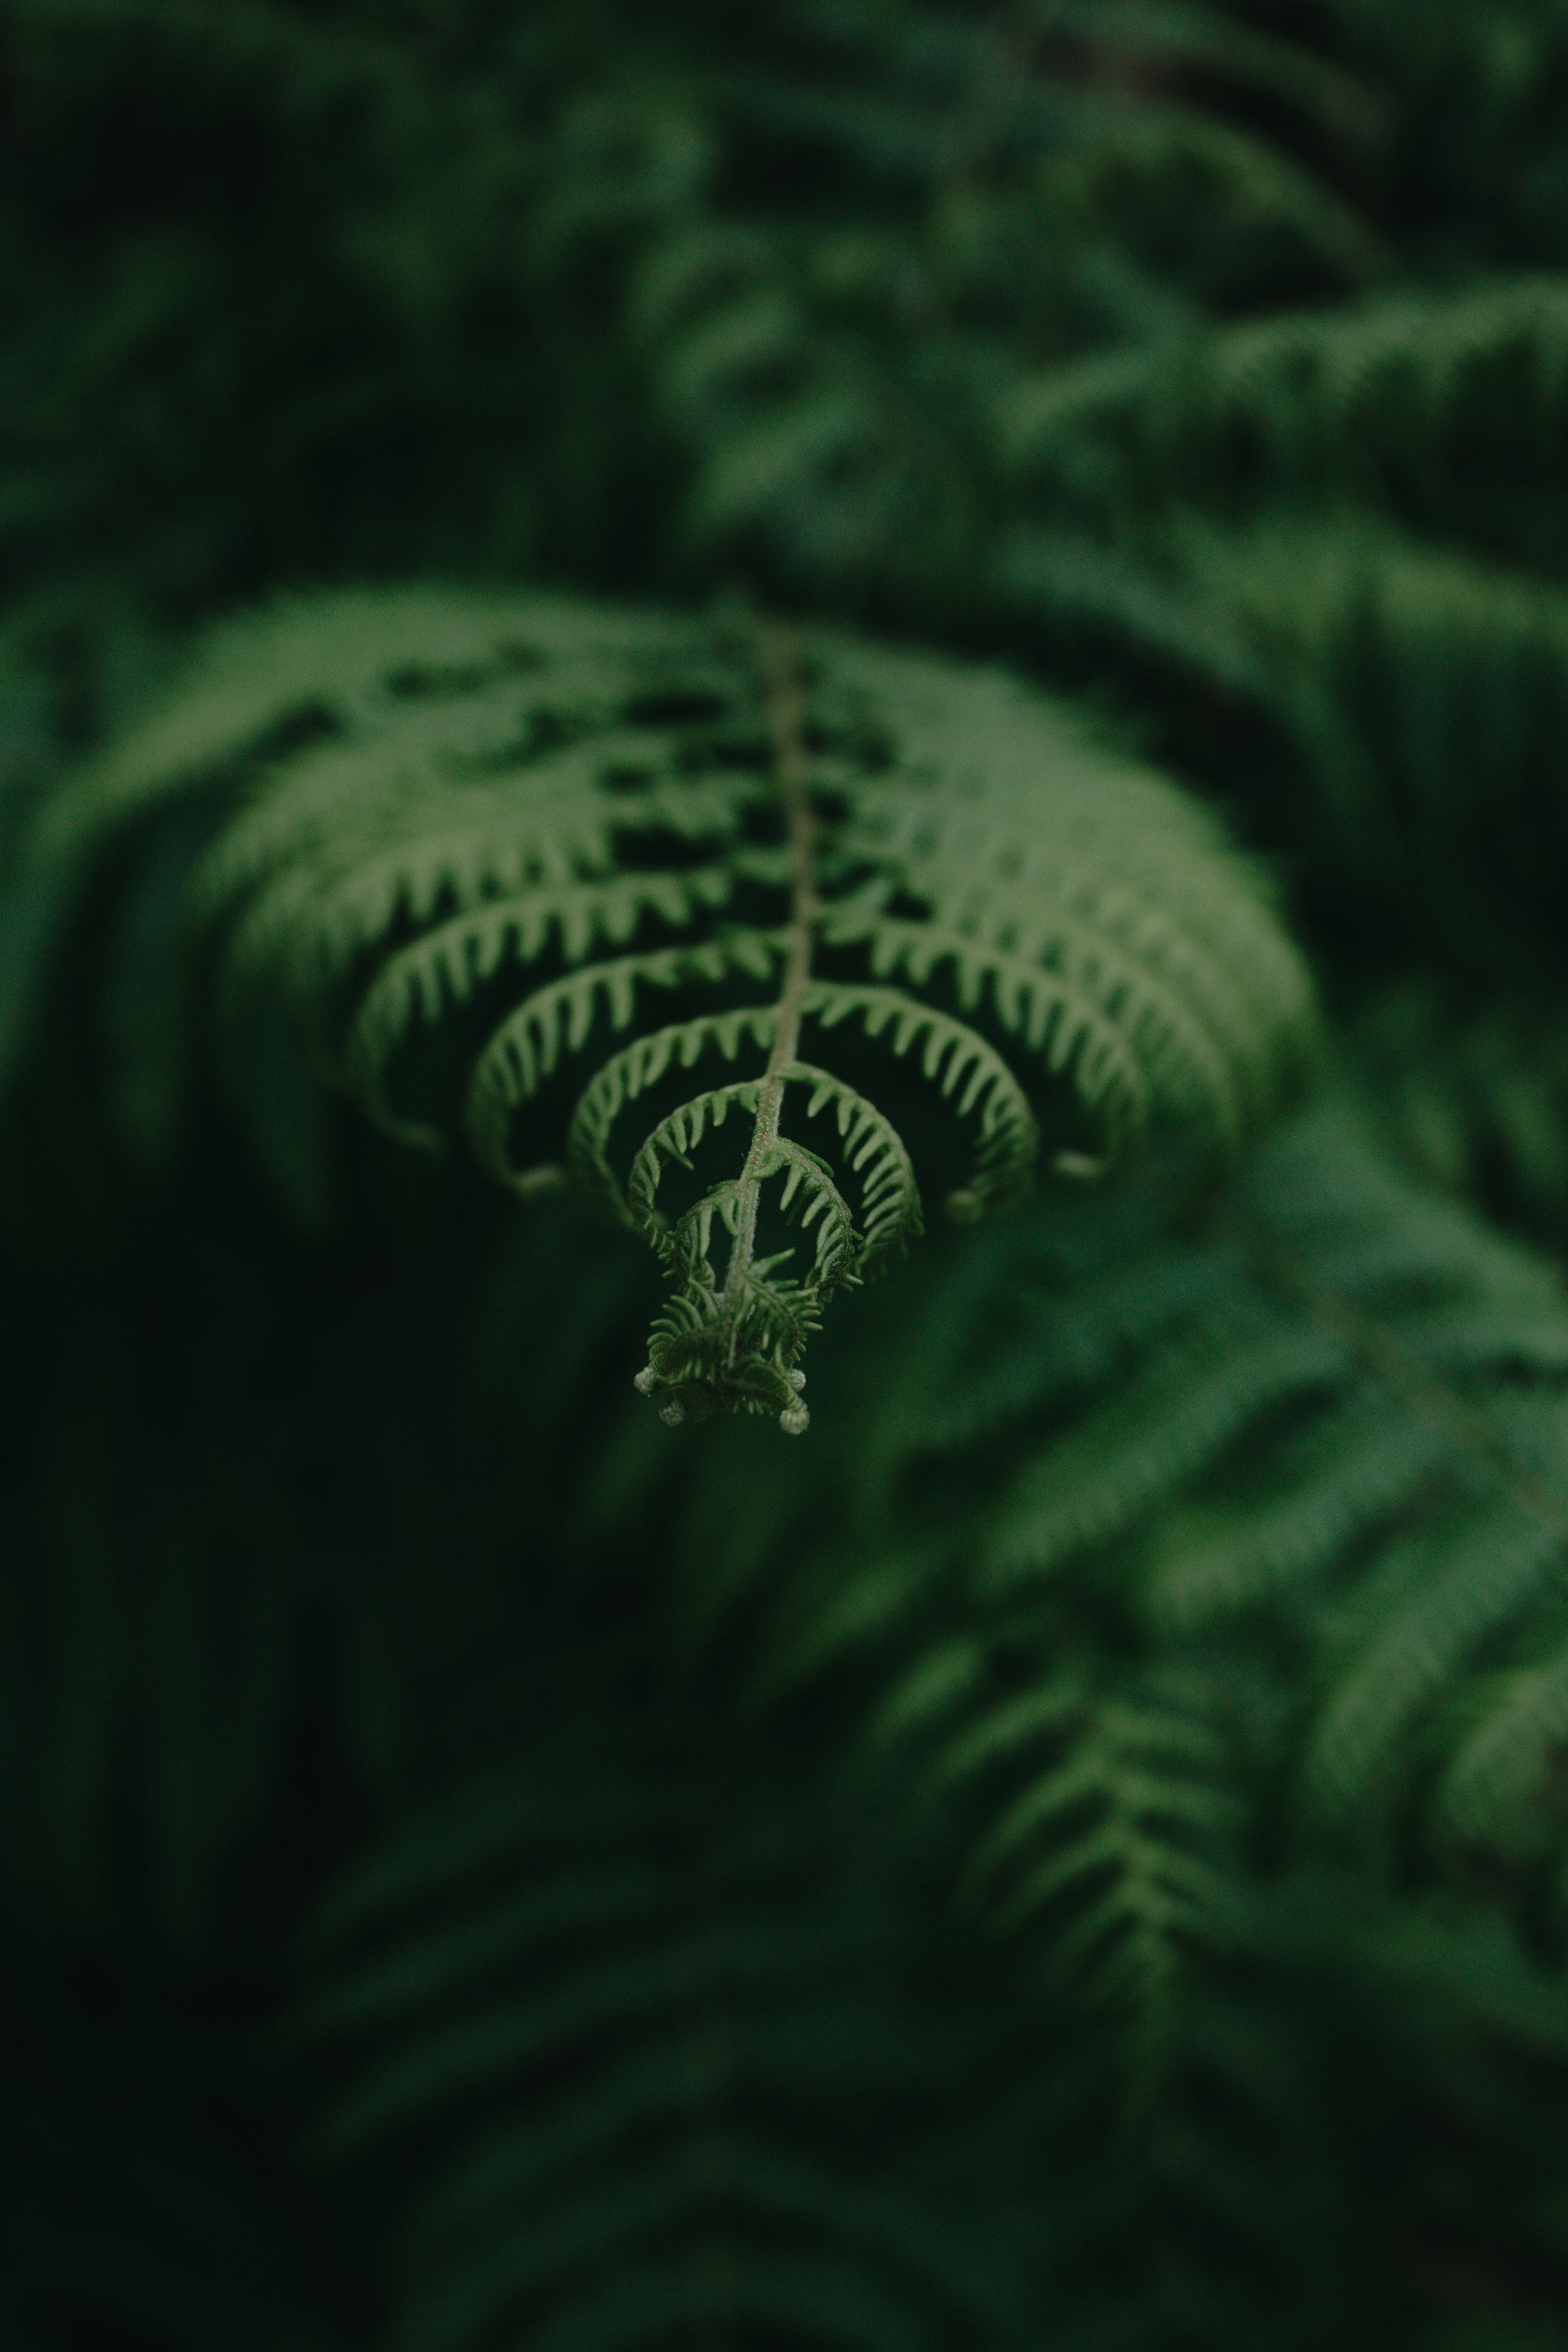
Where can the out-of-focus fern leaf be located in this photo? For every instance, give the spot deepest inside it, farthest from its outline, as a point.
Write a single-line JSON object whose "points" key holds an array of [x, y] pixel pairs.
{"points": [[1332, 1427], [1476, 1103], [1384, 393], [649, 2057], [1113, 1820], [1395, 670]]}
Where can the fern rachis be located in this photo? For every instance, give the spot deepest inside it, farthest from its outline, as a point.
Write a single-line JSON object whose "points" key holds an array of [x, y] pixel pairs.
{"points": [[674, 1359]]}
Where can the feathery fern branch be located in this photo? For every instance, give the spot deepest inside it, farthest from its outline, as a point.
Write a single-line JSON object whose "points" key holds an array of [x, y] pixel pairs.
{"points": [[413, 800], [1153, 1534]]}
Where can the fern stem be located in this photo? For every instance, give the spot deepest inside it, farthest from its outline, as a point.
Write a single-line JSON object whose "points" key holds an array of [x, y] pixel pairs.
{"points": [[785, 706]]}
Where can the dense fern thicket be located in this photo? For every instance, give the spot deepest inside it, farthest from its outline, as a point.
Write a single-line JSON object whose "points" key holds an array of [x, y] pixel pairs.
{"points": [[757, 626]]}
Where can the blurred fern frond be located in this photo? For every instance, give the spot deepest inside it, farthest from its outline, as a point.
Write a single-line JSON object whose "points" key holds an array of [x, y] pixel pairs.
{"points": [[1326, 1435], [651, 2063], [1387, 395], [1473, 1100]]}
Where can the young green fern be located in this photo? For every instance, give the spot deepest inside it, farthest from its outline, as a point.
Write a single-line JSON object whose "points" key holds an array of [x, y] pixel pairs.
{"points": [[522, 864]]}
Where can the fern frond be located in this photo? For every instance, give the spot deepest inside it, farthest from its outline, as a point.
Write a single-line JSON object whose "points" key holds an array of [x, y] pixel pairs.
{"points": [[1457, 1093], [875, 1153], [1396, 669], [1332, 1434], [1495, 1794], [689, 1240], [1426, 1616], [1189, 1409], [639, 2074], [444, 968], [1320, 392], [827, 417], [1061, 1021], [961, 1063], [892, 1204], [1366, 1464], [557, 1020], [1099, 1817], [1163, 148], [640, 1066], [420, 816], [1116, 1837]]}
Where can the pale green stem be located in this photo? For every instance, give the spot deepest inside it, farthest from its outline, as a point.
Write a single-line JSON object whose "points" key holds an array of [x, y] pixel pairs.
{"points": [[785, 706]]}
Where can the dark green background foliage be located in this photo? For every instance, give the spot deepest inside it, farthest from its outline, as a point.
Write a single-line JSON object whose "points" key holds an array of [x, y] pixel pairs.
{"points": [[1073, 1850]]}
